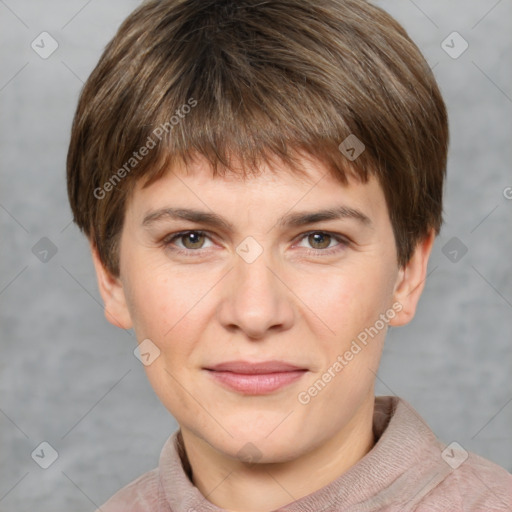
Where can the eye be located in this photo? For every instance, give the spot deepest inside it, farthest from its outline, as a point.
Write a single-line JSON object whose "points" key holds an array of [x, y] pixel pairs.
{"points": [[321, 242], [190, 240]]}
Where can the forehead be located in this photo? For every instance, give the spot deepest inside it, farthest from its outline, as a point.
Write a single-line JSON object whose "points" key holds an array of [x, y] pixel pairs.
{"points": [[271, 187]]}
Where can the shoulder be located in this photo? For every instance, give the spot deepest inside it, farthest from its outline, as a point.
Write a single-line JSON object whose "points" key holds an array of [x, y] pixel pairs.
{"points": [[140, 495], [475, 485], [438, 477], [150, 491]]}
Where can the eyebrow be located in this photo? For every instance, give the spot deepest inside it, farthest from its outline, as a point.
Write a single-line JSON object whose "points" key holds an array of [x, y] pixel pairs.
{"points": [[295, 219]]}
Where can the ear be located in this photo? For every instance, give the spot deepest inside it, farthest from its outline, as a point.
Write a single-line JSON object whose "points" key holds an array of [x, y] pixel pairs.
{"points": [[411, 281], [112, 293]]}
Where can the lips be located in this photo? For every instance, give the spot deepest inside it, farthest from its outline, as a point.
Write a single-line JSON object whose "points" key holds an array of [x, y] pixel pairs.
{"points": [[256, 378], [255, 368]]}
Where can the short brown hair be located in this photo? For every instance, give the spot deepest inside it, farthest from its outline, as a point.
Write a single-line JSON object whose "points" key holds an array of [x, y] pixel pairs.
{"points": [[255, 80]]}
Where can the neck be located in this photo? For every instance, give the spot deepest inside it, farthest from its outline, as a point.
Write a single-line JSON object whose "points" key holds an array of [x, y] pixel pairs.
{"points": [[238, 486]]}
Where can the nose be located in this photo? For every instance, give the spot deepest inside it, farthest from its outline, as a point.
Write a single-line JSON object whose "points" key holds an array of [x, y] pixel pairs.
{"points": [[256, 299]]}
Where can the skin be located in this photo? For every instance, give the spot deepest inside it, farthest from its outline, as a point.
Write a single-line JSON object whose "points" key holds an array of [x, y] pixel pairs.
{"points": [[294, 303]]}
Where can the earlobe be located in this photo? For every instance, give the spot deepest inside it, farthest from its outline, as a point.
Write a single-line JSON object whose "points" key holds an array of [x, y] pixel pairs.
{"points": [[112, 293], [411, 281]]}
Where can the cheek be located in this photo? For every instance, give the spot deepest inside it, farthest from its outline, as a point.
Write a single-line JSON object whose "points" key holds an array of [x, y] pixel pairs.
{"points": [[347, 300], [351, 304], [167, 306]]}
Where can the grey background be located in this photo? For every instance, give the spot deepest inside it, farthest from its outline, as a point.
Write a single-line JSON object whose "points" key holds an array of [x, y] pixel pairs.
{"points": [[70, 378]]}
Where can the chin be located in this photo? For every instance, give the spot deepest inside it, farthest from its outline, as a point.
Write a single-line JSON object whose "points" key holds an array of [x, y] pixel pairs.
{"points": [[254, 446]]}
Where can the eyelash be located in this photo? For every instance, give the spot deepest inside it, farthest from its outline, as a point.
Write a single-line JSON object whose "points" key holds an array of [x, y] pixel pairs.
{"points": [[343, 242]]}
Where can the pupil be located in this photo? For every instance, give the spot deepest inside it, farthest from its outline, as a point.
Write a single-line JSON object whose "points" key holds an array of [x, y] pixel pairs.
{"points": [[318, 237], [193, 238]]}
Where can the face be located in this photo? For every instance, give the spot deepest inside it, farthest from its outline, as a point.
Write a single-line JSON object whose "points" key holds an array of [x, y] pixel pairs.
{"points": [[269, 321]]}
